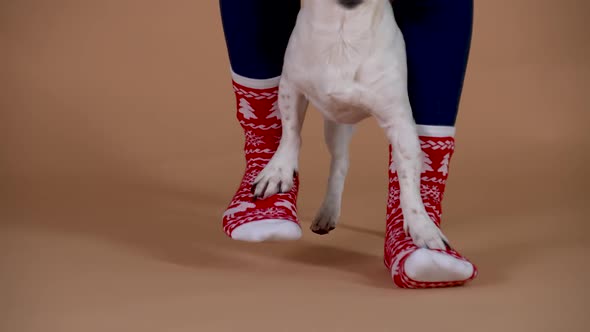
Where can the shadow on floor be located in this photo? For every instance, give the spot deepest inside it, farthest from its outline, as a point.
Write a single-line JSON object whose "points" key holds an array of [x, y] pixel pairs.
{"points": [[184, 228]]}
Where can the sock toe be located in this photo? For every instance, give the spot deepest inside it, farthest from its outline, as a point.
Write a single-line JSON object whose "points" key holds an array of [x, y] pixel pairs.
{"points": [[267, 230], [433, 266]]}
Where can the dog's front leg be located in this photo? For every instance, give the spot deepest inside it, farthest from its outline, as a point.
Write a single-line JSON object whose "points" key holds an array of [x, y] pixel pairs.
{"points": [[337, 137], [401, 132], [277, 176]]}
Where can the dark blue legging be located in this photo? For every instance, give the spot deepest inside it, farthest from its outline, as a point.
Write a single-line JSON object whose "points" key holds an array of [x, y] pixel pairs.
{"points": [[437, 35]]}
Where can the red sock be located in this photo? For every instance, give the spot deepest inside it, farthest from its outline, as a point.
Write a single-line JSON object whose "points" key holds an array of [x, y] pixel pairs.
{"points": [[399, 246], [259, 117]]}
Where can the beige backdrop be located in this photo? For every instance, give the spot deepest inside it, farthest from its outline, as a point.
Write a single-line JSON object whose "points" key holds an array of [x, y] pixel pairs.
{"points": [[120, 151]]}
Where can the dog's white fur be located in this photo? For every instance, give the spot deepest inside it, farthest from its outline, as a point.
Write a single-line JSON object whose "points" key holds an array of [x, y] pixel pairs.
{"points": [[350, 64]]}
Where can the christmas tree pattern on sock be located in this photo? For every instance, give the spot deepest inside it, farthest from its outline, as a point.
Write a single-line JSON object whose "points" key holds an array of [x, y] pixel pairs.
{"points": [[410, 266], [273, 218]]}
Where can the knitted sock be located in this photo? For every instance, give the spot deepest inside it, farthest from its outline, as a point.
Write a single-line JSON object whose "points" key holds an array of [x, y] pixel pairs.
{"points": [[410, 266], [273, 218]]}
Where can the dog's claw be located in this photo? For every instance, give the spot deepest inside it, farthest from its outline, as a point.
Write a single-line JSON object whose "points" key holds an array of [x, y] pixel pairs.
{"points": [[447, 245], [263, 192], [322, 231], [280, 186]]}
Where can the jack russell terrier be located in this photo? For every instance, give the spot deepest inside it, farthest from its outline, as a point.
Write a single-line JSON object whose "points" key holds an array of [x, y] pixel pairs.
{"points": [[348, 59]]}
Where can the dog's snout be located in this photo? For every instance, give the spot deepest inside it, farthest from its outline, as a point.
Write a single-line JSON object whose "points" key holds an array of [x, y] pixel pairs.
{"points": [[350, 4]]}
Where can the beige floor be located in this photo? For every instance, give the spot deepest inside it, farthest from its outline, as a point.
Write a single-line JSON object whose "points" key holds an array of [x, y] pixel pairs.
{"points": [[120, 151]]}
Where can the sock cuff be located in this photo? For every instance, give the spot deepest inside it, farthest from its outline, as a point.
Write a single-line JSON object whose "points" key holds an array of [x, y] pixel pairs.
{"points": [[436, 131], [255, 83]]}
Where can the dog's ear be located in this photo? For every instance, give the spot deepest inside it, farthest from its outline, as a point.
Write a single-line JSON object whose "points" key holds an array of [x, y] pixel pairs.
{"points": [[350, 4]]}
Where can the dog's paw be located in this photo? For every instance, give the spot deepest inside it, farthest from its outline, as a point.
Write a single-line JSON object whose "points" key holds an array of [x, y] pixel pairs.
{"points": [[273, 179], [425, 233], [325, 220]]}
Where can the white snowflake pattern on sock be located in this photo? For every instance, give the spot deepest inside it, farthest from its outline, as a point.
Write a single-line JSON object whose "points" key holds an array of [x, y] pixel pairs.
{"points": [[430, 191], [393, 197], [253, 139]]}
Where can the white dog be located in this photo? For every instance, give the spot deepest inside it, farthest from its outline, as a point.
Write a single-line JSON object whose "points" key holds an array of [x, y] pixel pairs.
{"points": [[347, 58]]}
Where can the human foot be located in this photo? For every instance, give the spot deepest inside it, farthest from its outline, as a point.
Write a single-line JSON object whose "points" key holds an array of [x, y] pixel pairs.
{"points": [[273, 218], [411, 266]]}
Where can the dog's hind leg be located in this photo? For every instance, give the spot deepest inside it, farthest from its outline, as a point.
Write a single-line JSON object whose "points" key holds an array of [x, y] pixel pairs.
{"points": [[278, 175], [337, 137]]}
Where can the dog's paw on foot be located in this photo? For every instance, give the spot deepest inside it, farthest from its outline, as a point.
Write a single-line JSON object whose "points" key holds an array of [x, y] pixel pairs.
{"points": [[273, 180], [425, 233]]}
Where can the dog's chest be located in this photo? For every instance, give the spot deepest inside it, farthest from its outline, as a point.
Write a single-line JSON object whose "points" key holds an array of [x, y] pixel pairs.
{"points": [[332, 64], [324, 59], [331, 54]]}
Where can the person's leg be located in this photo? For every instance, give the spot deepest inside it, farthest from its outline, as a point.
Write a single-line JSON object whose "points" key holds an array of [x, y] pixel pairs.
{"points": [[438, 36], [257, 33]]}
